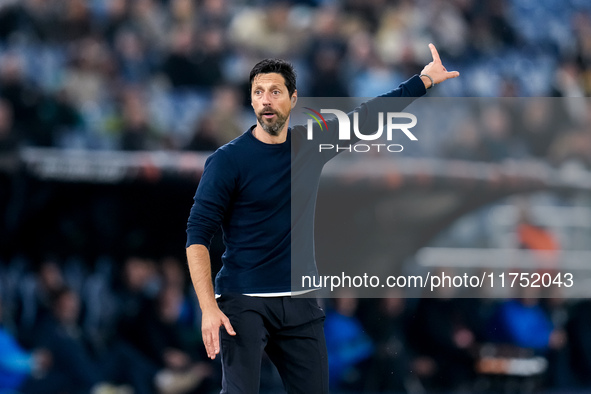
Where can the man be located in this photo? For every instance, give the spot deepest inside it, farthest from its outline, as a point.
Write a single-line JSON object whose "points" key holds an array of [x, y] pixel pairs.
{"points": [[246, 188]]}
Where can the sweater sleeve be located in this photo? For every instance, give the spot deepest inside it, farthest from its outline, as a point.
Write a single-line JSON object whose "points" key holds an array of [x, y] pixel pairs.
{"points": [[212, 199], [413, 87]]}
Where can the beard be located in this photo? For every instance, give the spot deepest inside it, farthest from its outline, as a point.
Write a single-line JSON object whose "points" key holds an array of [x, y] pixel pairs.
{"points": [[272, 127]]}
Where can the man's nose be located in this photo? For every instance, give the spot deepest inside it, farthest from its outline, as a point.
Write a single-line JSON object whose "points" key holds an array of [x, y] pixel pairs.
{"points": [[267, 99]]}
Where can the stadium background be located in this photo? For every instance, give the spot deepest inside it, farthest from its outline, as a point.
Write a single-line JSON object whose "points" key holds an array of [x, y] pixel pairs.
{"points": [[109, 107]]}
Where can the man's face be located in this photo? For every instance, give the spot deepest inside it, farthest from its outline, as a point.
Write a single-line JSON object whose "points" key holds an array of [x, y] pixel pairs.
{"points": [[271, 102]]}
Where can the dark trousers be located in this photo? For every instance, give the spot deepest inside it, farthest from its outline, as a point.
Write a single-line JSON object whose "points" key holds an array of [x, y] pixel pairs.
{"points": [[291, 332]]}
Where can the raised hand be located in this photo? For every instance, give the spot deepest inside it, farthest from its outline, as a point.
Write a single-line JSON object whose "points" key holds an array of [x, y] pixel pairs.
{"points": [[436, 70]]}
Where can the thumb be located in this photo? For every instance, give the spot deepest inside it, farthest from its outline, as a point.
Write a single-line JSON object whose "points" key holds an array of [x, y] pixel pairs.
{"points": [[228, 326]]}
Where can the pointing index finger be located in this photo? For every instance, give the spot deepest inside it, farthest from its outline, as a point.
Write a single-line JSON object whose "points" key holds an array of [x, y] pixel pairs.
{"points": [[434, 53]]}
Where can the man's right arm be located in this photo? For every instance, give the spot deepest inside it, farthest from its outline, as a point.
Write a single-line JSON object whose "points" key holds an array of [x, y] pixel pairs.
{"points": [[212, 317], [212, 200]]}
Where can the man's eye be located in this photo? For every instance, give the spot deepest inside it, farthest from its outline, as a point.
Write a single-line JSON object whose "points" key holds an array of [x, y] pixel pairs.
{"points": [[276, 92]]}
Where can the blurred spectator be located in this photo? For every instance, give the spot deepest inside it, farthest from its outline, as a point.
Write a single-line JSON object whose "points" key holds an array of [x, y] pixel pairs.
{"points": [[325, 56], [206, 137], [49, 279], [395, 367], [182, 12], [188, 65], [267, 31], [219, 124], [369, 11], [227, 112], [9, 142], [139, 286], [572, 147], [567, 81], [87, 78], [75, 20], [11, 19], [489, 26], [22, 95], [349, 347], [446, 330], [525, 327], [327, 80], [510, 87], [466, 143], [21, 370], [451, 24], [497, 142], [367, 73], [59, 119], [136, 131], [397, 25], [9, 165], [115, 20], [581, 25], [44, 19], [179, 66], [560, 372], [135, 64], [327, 35], [87, 364], [532, 236], [580, 342], [175, 274], [171, 345], [525, 324], [34, 304], [209, 57], [214, 13], [537, 128], [149, 19], [39, 118]]}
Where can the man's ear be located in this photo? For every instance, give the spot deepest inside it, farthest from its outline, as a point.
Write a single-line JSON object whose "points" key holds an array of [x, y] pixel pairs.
{"points": [[294, 99]]}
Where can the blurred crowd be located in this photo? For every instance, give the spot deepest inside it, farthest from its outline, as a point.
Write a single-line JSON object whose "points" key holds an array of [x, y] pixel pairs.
{"points": [[133, 326], [171, 74], [81, 329]]}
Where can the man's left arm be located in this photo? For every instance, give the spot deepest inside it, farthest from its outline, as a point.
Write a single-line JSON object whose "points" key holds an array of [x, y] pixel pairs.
{"points": [[408, 91], [432, 74]]}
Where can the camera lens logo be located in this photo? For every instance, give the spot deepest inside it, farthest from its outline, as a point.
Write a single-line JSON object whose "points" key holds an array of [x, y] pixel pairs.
{"points": [[316, 118]]}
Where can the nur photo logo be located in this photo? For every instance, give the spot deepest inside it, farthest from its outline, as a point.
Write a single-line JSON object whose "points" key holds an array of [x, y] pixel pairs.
{"points": [[341, 126]]}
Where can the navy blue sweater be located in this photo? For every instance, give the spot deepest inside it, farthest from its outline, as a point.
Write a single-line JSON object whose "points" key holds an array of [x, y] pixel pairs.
{"points": [[246, 188]]}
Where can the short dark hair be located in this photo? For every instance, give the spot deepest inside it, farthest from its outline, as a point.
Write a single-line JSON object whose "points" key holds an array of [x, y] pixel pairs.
{"points": [[278, 66]]}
